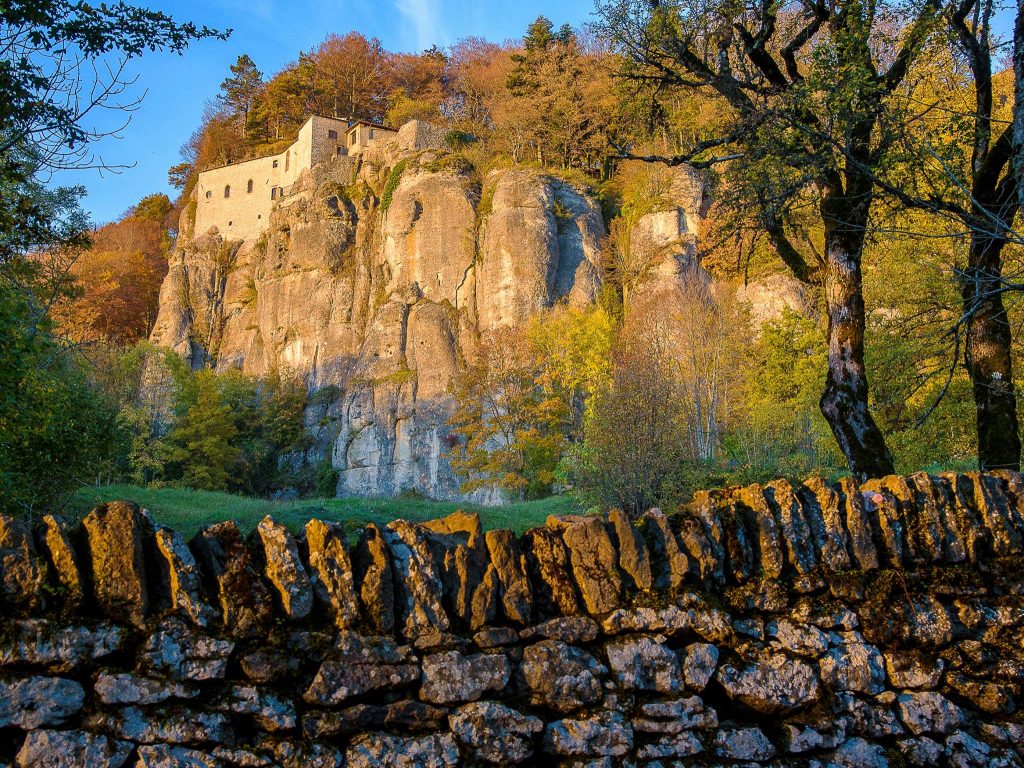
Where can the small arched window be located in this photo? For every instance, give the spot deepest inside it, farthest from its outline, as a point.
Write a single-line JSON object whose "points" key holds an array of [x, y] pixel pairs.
{"points": [[249, 187], [209, 194], [227, 190]]}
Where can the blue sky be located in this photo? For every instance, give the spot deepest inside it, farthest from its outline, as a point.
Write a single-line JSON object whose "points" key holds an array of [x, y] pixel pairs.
{"points": [[272, 32]]}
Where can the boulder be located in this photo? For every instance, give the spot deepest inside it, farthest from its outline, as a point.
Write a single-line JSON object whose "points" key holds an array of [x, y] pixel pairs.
{"points": [[167, 725], [634, 557], [920, 752], [603, 735], [673, 717], [853, 665], [793, 526], [594, 563], [63, 559], [460, 556], [283, 568], [802, 639], [72, 749], [699, 663], [179, 653], [858, 525], [747, 744], [559, 676], [569, 629], [669, 563], [418, 586], [246, 605], [271, 711], [170, 756], [372, 567], [770, 683], [911, 670], [821, 504], [928, 712], [359, 665], [510, 566], [128, 688], [59, 648], [677, 745], [33, 702], [642, 663], [22, 570], [330, 571], [555, 592], [404, 716], [452, 678], [182, 577], [752, 505], [495, 733], [114, 535], [299, 754], [858, 753], [378, 750]]}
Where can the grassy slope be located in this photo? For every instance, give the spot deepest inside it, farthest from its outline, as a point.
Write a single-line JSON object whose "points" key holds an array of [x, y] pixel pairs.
{"points": [[188, 511]]}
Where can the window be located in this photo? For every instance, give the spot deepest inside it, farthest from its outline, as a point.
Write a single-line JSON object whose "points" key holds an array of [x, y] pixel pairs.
{"points": [[332, 135], [275, 163], [227, 190], [352, 138], [287, 159], [248, 187], [273, 193], [371, 133], [209, 194]]}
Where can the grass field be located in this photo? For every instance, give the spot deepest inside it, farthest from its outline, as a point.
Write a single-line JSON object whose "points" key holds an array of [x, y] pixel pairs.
{"points": [[188, 511]]}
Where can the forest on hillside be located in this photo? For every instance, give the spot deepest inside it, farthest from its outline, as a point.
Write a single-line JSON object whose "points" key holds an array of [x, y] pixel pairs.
{"points": [[871, 154]]}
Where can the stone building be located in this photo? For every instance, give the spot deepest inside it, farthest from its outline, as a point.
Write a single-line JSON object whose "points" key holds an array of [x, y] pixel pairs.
{"points": [[237, 198]]}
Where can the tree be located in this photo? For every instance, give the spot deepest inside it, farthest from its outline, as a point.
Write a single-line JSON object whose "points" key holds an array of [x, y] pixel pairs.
{"points": [[510, 431], [119, 277], [633, 440], [63, 62], [349, 77], [967, 173], [200, 444], [56, 431], [240, 90], [807, 86]]}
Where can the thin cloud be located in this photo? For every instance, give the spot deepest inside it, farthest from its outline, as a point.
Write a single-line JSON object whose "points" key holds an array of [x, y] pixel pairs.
{"points": [[424, 16]]}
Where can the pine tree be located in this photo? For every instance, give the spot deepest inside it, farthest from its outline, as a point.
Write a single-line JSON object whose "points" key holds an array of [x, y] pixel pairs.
{"points": [[239, 92]]}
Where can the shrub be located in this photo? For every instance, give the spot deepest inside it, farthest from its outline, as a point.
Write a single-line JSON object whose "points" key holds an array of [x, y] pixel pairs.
{"points": [[394, 178]]}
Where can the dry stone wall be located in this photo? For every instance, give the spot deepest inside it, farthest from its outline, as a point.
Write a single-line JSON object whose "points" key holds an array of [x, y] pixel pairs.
{"points": [[816, 625]]}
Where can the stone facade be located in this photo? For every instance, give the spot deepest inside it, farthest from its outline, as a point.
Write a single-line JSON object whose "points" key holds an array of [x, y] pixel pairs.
{"points": [[236, 200], [817, 625]]}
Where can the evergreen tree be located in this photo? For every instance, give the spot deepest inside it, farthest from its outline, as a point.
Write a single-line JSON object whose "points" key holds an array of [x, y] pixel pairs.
{"points": [[239, 92]]}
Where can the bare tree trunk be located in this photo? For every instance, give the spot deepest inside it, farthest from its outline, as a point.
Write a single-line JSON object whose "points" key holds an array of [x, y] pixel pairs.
{"points": [[844, 403], [988, 357]]}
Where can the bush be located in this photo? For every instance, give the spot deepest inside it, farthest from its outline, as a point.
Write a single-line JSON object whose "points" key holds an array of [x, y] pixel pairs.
{"points": [[57, 430], [394, 178]]}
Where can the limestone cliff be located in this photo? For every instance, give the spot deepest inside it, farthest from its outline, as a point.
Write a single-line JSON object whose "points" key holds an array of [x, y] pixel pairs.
{"points": [[374, 281]]}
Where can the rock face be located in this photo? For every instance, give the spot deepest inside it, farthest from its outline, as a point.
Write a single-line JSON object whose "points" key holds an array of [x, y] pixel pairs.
{"points": [[373, 281], [916, 663]]}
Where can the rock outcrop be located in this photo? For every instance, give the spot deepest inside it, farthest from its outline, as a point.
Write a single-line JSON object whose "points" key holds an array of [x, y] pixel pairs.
{"points": [[763, 650], [374, 281]]}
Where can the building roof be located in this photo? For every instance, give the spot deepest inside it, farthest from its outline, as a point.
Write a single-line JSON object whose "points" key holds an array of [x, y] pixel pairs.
{"points": [[370, 124]]}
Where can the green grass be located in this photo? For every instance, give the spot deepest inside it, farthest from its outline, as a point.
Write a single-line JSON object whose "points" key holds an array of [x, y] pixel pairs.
{"points": [[188, 511]]}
